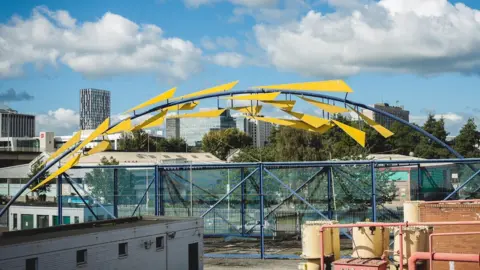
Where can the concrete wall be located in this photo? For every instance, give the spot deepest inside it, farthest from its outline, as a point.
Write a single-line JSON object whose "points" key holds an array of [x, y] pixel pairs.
{"points": [[102, 249]]}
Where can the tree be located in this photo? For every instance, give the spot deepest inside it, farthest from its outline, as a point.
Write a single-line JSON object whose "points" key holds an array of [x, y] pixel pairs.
{"points": [[256, 154], [220, 142], [101, 182], [426, 148], [170, 145], [404, 139], [136, 141], [36, 168], [468, 140]]}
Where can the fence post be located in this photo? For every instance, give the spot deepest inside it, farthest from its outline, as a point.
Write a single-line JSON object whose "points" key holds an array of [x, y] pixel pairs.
{"points": [[262, 221], [242, 200], [59, 200], [374, 195], [115, 192], [161, 184], [329, 192], [155, 173], [419, 181]]}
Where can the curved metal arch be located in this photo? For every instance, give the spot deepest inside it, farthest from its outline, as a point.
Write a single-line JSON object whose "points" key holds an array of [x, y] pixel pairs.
{"points": [[309, 94]]}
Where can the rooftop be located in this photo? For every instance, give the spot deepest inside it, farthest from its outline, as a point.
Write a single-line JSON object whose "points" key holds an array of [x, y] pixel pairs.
{"points": [[24, 236]]}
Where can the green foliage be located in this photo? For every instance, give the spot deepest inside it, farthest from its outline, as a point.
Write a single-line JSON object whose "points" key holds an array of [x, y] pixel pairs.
{"points": [[101, 181], [140, 141], [467, 141], [255, 154], [429, 149], [36, 168], [220, 142]]}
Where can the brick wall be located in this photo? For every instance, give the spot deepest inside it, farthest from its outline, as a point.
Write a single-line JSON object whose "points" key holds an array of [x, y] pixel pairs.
{"points": [[453, 244]]}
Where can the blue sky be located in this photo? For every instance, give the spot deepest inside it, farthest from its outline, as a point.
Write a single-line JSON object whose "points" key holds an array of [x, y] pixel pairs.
{"points": [[425, 54]]}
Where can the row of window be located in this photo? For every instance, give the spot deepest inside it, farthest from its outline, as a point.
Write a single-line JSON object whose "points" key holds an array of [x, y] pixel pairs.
{"points": [[82, 254], [43, 221]]}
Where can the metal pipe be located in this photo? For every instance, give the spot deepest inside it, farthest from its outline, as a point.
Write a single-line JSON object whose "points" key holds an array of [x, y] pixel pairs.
{"points": [[374, 194], [441, 257], [329, 192], [59, 200], [155, 175], [161, 191], [262, 220], [430, 243], [115, 192], [400, 232], [456, 201], [243, 190]]}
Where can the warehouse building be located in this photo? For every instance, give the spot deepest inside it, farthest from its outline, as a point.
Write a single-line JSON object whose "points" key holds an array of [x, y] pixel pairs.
{"points": [[129, 243]]}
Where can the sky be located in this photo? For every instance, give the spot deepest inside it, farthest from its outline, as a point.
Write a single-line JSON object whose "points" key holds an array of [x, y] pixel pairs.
{"points": [[422, 54]]}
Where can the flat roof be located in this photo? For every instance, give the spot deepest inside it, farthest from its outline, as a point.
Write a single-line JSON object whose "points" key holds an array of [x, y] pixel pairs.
{"points": [[33, 235]]}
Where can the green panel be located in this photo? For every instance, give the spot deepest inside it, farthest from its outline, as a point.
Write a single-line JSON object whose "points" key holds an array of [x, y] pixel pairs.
{"points": [[26, 221], [399, 176], [66, 220]]}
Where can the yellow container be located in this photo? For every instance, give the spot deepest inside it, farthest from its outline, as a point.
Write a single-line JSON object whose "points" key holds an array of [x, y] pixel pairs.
{"points": [[311, 240], [411, 212], [415, 239], [312, 264], [369, 244]]}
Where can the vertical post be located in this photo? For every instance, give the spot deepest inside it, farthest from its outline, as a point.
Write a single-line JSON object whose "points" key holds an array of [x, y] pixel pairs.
{"points": [[242, 200], [374, 195], [262, 221], [419, 181], [59, 199], [329, 192], [162, 193], [155, 175], [115, 192]]}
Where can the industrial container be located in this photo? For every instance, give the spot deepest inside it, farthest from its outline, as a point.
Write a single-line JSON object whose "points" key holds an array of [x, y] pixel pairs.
{"points": [[360, 264], [311, 240], [415, 239], [369, 242], [411, 212], [311, 264]]}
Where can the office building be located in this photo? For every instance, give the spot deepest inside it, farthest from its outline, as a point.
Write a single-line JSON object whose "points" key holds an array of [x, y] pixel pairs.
{"points": [[14, 124], [94, 107], [173, 128], [193, 129], [383, 120], [126, 243], [259, 131]]}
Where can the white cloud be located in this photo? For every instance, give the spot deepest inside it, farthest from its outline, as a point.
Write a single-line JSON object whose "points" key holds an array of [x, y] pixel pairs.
{"points": [[109, 46], [423, 37], [246, 3], [228, 59], [453, 121], [229, 43], [61, 121]]}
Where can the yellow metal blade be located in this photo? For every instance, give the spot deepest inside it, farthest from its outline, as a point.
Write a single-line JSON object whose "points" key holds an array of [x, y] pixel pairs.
{"points": [[125, 125], [164, 96], [153, 121], [102, 146], [379, 128], [97, 132], [324, 106], [327, 86], [313, 121], [74, 140], [72, 162], [250, 110], [183, 107], [215, 89], [295, 124], [277, 121], [356, 134], [286, 105], [205, 114], [260, 97]]}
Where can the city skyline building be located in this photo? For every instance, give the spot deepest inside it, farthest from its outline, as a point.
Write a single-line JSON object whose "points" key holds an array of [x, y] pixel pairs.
{"points": [[94, 107], [387, 122], [259, 131], [14, 124]]}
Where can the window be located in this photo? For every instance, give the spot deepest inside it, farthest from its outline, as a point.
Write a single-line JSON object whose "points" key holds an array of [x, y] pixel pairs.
{"points": [[42, 221], [31, 264], [160, 242], [81, 257], [122, 249], [15, 224], [76, 220]]}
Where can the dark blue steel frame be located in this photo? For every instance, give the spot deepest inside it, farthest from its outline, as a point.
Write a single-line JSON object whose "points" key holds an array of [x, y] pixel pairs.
{"points": [[262, 166]]}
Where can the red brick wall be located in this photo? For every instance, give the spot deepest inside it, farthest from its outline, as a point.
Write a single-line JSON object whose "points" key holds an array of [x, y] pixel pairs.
{"points": [[453, 244]]}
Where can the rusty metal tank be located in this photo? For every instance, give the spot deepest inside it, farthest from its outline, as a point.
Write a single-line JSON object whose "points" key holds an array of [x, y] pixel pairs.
{"points": [[311, 240], [369, 242]]}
